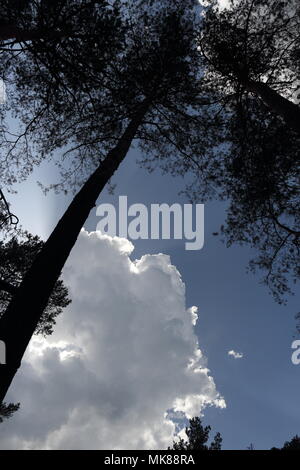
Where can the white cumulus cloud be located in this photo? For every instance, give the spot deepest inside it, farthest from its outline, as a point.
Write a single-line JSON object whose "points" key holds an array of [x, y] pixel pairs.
{"points": [[194, 314], [236, 355], [123, 355]]}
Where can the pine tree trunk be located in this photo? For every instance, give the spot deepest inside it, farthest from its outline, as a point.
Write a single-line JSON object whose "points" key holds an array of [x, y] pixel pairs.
{"points": [[20, 320], [288, 110]]}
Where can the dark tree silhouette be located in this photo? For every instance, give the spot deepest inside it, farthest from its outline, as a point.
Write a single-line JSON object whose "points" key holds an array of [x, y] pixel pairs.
{"points": [[24, 21], [16, 257], [6, 216], [6, 411], [197, 437], [64, 64], [293, 444], [95, 98], [248, 153], [252, 55], [253, 48], [91, 81]]}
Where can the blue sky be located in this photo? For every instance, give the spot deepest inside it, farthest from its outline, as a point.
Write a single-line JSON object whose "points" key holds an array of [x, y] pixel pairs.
{"points": [[235, 311], [261, 389]]}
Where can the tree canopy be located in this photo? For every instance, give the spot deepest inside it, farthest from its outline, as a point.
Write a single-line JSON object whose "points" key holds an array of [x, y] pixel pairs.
{"points": [[252, 57], [17, 255], [99, 75], [237, 140], [76, 86], [7, 410], [252, 47], [246, 151], [293, 444], [197, 437], [92, 102]]}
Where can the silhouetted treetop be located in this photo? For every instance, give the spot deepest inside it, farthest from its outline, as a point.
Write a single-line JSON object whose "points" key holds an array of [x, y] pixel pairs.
{"points": [[7, 410], [91, 99], [16, 255], [293, 444], [197, 437], [253, 47], [246, 151], [78, 91]]}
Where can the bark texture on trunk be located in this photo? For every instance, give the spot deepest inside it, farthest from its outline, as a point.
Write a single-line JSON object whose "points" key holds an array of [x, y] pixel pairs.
{"points": [[19, 322]]}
